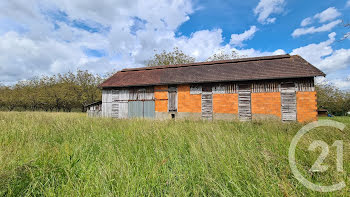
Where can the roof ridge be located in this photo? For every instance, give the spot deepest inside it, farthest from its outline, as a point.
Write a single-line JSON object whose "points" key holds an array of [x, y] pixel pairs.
{"points": [[248, 59]]}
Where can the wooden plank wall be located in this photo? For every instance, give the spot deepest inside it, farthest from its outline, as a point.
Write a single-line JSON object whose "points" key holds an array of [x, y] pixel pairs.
{"points": [[258, 87], [244, 102], [107, 103], [207, 102], [115, 102], [172, 99], [288, 102]]}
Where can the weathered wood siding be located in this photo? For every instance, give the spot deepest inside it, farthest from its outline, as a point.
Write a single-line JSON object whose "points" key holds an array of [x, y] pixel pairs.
{"points": [[288, 101], [172, 95], [195, 89], [207, 102], [141, 102], [107, 103], [244, 102], [95, 110], [274, 98]]}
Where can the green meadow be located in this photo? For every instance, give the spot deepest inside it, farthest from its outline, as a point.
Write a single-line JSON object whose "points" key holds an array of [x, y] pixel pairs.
{"points": [[70, 154]]}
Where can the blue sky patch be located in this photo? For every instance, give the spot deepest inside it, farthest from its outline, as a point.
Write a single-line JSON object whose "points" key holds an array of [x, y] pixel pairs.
{"points": [[139, 24], [60, 16], [94, 52]]}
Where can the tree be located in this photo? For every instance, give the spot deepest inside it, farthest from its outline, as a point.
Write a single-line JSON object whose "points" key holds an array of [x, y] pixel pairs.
{"points": [[58, 92], [331, 98], [170, 58], [222, 55]]}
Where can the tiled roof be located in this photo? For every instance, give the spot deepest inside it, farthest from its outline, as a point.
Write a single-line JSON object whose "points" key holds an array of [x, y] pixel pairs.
{"points": [[245, 69]]}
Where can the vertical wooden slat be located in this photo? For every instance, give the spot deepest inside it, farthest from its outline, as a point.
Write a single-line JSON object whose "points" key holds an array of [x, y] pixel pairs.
{"points": [[244, 102], [207, 102], [288, 102], [172, 99]]}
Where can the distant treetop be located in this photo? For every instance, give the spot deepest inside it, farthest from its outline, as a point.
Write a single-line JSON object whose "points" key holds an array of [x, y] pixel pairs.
{"points": [[170, 58]]}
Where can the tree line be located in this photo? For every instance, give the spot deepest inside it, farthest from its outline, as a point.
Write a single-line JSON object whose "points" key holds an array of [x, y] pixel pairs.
{"points": [[62, 92]]}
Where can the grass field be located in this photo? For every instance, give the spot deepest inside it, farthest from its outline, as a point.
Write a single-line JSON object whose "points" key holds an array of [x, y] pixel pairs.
{"points": [[69, 154]]}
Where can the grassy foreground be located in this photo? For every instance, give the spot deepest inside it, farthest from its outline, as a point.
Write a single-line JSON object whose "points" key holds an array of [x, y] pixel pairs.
{"points": [[69, 154]]}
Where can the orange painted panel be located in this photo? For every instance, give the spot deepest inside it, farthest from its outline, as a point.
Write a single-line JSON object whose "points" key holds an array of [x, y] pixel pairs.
{"points": [[161, 98], [306, 106], [188, 102], [225, 103], [266, 103]]}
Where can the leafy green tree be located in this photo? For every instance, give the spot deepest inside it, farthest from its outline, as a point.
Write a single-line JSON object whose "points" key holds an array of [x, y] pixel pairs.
{"points": [[170, 58], [331, 98], [62, 92]]}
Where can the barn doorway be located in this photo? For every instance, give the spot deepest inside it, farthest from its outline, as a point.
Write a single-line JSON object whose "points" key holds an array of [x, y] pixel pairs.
{"points": [[288, 102], [141, 109], [244, 102], [207, 102], [172, 98]]}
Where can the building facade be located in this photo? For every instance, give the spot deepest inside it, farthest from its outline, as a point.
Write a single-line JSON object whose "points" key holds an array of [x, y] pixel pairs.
{"points": [[278, 87]]}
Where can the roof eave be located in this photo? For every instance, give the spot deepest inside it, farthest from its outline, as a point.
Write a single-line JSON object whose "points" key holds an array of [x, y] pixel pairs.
{"points": [[218, 81]]}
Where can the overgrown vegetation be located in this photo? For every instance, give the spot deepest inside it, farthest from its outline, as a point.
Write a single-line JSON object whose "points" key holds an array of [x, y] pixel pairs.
{"points": [[69, 154]]}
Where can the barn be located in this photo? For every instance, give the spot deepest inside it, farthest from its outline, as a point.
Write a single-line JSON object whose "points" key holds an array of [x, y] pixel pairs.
{"points": [[279, 87]]}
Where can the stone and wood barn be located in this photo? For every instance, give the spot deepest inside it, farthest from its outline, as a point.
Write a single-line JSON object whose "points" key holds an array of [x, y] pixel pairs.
{"points": [[280, 87]]}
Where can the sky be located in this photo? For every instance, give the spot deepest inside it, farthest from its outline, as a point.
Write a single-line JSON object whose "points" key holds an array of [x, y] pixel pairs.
{"points": [[44, 37]]}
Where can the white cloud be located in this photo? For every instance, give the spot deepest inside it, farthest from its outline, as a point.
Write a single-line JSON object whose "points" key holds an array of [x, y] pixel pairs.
{"points": [[340, 59], [21, 57], [327, 15], [312, 30], [341, 83], [324, 57], [237, 39], [307, 21], [54, 44], [331, 61], [265, 8], [347, 3]]}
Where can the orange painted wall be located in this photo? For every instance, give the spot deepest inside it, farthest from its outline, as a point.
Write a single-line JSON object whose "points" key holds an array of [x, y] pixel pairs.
{"points": [[225, 103], [306, 106], [161, 98], [266, 103], [188, 102]]}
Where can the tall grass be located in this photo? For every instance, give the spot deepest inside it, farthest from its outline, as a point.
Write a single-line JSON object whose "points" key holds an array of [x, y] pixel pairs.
{"points": [[69, 154]]}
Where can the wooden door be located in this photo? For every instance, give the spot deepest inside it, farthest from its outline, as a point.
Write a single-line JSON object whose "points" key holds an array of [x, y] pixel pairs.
{"points": [[288, 102], [172, 93], [207, 102], [244, 102]]}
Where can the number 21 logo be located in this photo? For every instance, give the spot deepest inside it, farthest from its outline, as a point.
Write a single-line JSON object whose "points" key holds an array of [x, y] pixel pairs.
{"points": [[318, 167]]}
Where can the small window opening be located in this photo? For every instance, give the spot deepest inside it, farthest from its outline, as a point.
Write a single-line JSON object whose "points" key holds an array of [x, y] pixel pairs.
{"points": [[173, 116]]}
